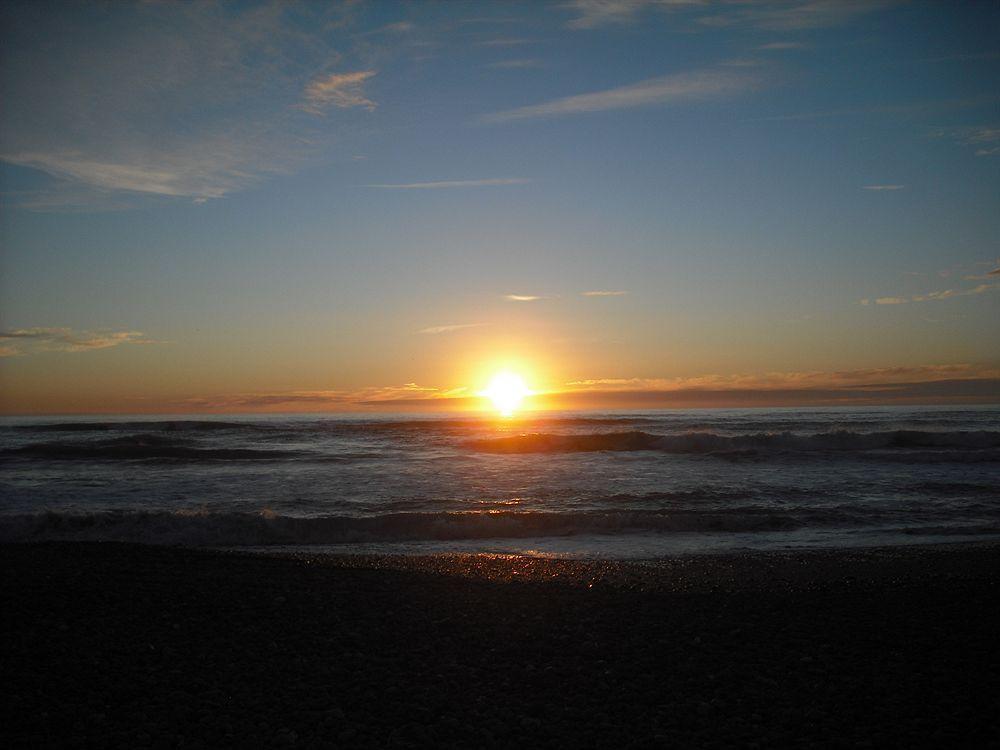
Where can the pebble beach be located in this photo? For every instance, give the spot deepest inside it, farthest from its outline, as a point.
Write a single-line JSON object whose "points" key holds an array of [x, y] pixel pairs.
{"points": [[117, 645]]}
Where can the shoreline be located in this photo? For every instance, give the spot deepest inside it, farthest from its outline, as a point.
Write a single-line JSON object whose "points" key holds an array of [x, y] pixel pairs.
{"points": [[110, 644], [756, 568]]}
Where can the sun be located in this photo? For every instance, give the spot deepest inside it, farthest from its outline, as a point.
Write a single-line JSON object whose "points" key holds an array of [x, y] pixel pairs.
{"points": [[506, 390]]}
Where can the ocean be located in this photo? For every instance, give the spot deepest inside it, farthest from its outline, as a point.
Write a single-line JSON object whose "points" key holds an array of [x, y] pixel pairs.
{"points": [[631, 485]]}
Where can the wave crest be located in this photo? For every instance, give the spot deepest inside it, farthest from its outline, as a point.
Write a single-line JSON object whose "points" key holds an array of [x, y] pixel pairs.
{"points": [[140, 447], [715, 443], [266, 528]]}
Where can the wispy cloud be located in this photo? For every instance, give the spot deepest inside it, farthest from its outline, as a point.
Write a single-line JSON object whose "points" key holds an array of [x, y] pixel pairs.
{"points": [[66, 197], [523, 297], [796, 379], [963, 56], [777, 46], [504, 42], [775, 15], [595, 13], [960, 380], [332, 398], [451, 184], [391, 393], [266, 400], [342, 90], [180, 175], [793, 16], [433, 330], [912, 108], [517, 64], [884, 187], [985, 138], [400, 27], [949, 293], [981, 135], [196, 100], [23, 341], [694, 85], [604, 293], [938, 295], [988, 276]]}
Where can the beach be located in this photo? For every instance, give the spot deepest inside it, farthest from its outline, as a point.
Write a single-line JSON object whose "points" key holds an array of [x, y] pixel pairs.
{"points": [[115, 645]]}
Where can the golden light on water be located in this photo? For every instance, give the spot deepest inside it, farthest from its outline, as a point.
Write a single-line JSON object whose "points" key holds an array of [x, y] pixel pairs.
{"points": [[506, 390]]}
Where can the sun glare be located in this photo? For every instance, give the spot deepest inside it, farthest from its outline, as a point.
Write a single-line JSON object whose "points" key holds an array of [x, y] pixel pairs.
{"points": [[506, 390]]}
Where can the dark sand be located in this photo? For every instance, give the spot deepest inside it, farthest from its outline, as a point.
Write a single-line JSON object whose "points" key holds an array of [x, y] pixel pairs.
{"points": [[116, 645]]}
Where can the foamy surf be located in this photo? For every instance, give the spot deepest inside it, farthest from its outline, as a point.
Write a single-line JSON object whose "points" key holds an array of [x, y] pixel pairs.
{"points": [[840, 441], [199, 528]]}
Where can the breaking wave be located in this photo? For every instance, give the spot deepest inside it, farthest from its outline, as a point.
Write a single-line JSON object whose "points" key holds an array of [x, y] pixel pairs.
{"points": [[201, 528], [188, 425], [141, 447], [986, 443]]}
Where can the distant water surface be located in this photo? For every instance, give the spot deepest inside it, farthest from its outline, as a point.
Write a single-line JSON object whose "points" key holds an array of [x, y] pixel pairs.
{"points": [[623, 484]]}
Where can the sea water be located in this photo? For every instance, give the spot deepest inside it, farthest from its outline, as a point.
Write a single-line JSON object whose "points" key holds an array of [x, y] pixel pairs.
{"points": [[620, 484]]}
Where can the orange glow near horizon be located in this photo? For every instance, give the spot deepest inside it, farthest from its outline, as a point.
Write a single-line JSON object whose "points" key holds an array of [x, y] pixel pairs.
{"points": [[506, 390]]}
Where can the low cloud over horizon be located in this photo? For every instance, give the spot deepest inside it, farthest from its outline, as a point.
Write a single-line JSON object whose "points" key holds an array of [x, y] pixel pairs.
{"points": [[923, 384], [798, 379]]}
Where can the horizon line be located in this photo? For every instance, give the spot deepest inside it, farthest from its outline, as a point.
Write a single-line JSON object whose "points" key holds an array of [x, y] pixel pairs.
{"points": [[945, 392]]}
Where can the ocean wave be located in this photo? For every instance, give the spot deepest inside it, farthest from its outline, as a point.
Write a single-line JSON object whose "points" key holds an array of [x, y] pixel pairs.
{"points": [[140, 447], [696, 496], [750, 444], [945, 489], [158, 425], [200, 528]]}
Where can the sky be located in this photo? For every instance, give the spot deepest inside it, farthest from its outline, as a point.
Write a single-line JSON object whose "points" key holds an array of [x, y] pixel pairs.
{"points": [[278, 206]]}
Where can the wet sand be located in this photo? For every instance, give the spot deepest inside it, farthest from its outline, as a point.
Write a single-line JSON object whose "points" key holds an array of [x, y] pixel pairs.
{"points": [[112, 645]]}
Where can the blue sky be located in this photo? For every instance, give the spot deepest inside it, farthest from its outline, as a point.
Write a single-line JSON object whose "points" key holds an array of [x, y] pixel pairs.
{"points": [[206, 204]]}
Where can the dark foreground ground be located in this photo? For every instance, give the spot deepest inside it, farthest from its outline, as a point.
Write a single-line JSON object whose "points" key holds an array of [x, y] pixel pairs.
{"points": [[114, 645]]}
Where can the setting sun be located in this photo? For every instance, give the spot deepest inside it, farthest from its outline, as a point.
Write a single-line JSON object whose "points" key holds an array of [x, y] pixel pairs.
{"points": [[506, 390]]}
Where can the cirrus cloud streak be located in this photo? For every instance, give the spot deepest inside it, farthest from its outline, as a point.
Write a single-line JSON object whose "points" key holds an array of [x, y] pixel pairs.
{"points": [[690, 86], [23, 341], [434, 330], [444, 184], [935, 296]]}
